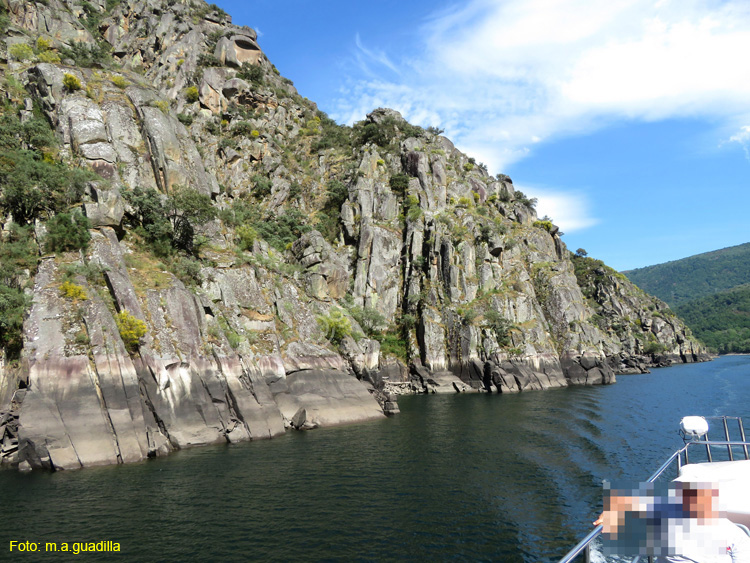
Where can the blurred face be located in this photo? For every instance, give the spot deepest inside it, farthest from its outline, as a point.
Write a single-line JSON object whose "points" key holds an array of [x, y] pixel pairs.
{"points": [[700, 502]]}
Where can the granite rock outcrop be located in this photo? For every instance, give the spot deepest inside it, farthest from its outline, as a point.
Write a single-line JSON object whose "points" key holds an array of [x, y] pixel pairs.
{"points": [[342, 266]]}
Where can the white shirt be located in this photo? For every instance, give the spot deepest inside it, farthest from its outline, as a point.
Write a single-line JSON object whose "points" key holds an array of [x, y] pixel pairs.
{"points": [[716, 541]]}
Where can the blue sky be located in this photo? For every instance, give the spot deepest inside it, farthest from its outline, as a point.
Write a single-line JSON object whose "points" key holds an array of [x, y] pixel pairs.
{"points": [[629, 120]]}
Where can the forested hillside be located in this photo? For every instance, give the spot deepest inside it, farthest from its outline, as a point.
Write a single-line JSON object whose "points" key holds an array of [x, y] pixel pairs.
{"points": [[709, 291], [698, 276], [721, 321]]}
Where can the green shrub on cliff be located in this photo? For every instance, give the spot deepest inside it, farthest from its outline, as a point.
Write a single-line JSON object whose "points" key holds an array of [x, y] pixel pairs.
{"points": [[335, 325], [21, 52], [544, 224], [208, 60], [399, 183], [185, 119], [246, 237], [523, 199], [44, 51], [18, 259], [280, 231], [589, 272], [386, 132], [87, 54], [150, 219], [31, 188], [501, 326], [73, 291], [332, 134], [251, 73], [18, 253], [393, 343], [191, 94], [49, 57], [35, 132], [120, 81], [369, 319], [328, 218], [4, 19], [131, 330], [187, 269], [67, 232], [263, 186], [32, 184], [654, 347]]}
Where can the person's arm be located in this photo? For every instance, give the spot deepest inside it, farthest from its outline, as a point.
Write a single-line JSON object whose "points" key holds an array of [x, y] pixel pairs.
{"points": [[614, 514]]}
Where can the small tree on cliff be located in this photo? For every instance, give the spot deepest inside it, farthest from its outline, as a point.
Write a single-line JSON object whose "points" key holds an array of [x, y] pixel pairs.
{"points": [[188, 208], [169, 222]]}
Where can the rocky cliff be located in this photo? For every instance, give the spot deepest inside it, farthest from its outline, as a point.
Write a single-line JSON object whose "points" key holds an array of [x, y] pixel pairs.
{"points": [[192, 253]]}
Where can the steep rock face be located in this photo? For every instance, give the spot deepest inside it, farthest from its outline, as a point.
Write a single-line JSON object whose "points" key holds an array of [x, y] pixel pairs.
{"points": [[642, 329], [344, 266], [90, 402]]}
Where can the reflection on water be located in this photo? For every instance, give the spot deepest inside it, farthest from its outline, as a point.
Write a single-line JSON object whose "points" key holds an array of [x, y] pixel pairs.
{"points": [[468, 477]]}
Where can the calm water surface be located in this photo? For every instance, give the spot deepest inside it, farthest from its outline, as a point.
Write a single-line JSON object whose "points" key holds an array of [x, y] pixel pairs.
{"points": [[455, 477]]}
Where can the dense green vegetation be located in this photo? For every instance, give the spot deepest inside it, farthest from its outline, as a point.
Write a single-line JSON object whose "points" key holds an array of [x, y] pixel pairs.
{"points": [[589, 272], [168, 222], [250, 224], [34, 185], [335, 325], [328, 217], [87, 54], [251, 73], [695, 277], [66, 232], [387, 132], [4, 19], [721, 321], [332, 135], [18, 255], [709, 292]]}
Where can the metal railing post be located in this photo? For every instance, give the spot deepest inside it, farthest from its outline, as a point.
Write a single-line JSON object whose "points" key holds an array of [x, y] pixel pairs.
{"points": [[742, 436], [726, 434]]}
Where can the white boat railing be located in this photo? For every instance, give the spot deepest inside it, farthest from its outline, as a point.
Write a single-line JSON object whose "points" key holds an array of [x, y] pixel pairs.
{"points": [[680, 457]]}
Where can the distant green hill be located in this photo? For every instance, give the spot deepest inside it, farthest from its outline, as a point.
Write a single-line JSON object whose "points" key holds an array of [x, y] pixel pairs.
{"points": [[721, 321], [695, 277]]}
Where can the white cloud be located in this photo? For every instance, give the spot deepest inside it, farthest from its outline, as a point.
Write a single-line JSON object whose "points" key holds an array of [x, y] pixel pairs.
{"points": [[365, 57], [503, 75], [570, 210], [743, 136], [743, 139]]}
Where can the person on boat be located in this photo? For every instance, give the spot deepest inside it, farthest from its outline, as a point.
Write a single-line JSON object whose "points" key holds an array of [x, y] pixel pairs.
{"points": [[683, 527], [705, 536]]}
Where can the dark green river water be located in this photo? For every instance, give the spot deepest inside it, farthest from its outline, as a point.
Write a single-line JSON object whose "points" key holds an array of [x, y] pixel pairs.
{"points": [[453, 477]]}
